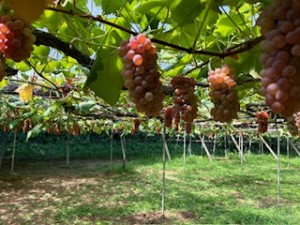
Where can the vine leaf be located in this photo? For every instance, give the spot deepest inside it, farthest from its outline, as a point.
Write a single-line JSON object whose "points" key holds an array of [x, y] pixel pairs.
{"points": [[184, 12], [105, 76]]}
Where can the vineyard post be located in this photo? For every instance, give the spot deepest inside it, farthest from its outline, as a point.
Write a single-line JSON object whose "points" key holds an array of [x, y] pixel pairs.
{"points": [[225, 145], [214, 146], [278, 162], [163, 193], [236, 144], [13, 153], [288, 149], [4, 145], [68, 149], [268, 147], [184, 150], [111, 149], [294, 147], [242, 148], [250, 143], [123, 148], [190, 145], [205, 147]]}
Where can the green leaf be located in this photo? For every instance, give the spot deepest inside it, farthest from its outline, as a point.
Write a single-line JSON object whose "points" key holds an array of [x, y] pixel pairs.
{"points": [[105, 76], [34, 131], [145, 6], [109, 6], [184, 12]]}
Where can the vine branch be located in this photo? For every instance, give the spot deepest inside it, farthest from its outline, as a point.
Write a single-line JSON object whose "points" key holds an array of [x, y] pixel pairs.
{"points": [[242, 47]]}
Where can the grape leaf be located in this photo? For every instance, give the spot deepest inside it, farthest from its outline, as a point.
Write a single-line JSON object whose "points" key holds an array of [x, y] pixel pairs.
{"points": [[105, 76]]}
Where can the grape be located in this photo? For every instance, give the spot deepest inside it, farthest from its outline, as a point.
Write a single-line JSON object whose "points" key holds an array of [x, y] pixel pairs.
{"points": [[223, 94], [16, 40], [185, 101], [280, 25], [141, 75]]}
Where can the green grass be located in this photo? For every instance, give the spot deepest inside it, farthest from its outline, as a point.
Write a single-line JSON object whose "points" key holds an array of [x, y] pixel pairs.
{"points": [[217, 192]]}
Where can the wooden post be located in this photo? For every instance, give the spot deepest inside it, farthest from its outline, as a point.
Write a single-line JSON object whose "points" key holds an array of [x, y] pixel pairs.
{"points": [[268, 147], [205, 147]]}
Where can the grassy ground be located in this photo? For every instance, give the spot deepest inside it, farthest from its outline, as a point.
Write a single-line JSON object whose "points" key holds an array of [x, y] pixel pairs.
{"points": [[216, 192]]}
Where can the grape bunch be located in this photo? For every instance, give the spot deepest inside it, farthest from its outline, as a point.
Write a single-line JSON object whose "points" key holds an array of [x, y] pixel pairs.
{"points": [[223, 94], [297, 119], [2, 68], [27, 125], [168, 116], [262, 121], [136, 125], [141, 75], [16, 39], [280, 25], [185, 101], [291, 126]]}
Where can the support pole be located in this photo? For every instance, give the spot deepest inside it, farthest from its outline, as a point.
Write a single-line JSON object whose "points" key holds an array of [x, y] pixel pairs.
{"points": [[184, 150], [163, 192], [236, 144], [205, 147], [214, 147], [4, 146], [13, 153], [268, 147], [123, 150], [294, 147]]}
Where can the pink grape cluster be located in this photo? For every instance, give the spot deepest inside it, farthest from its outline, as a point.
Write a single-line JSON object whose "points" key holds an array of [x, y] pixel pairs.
{"points": [[185, 101], [223, 94], [280, 25], [16, 39], [141, 75]]}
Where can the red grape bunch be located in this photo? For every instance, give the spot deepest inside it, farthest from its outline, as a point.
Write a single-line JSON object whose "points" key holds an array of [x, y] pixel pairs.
{"points": [[168, 116], [16, 39], [2, 68], [141, 75], [262, 121], [280, 25], [223, 94], [136, 125], [291, 126], [185, 101]]}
